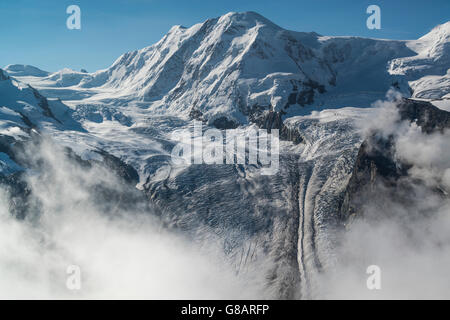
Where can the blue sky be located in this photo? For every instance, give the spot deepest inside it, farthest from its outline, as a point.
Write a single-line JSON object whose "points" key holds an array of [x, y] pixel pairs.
{"points": [[34, 31]]}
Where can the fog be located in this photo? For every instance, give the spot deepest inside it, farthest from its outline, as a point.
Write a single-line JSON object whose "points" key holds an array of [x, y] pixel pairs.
{"points": [[121, 254], [126, 253], [408, 239]]}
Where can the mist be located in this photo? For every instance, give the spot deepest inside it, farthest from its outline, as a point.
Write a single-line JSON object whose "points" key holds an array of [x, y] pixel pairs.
{"points": [[120, 253], [407, 237], [124, 251]]}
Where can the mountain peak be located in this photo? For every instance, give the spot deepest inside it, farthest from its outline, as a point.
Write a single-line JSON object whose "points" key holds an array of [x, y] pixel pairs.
{"points": [[240, 65], [247, 18], [176, 28], [25, 70], [439, 32], [435, 44]]}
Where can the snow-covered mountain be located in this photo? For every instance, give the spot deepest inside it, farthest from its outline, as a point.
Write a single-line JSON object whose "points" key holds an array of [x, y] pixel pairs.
{"points": [[239, 69], [241, 64], [22, 106], [428, 70], [18, 70], [432, 54]]}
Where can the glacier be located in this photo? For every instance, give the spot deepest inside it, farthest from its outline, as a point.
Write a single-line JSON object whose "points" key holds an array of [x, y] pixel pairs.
{"points": [[239, 70]]}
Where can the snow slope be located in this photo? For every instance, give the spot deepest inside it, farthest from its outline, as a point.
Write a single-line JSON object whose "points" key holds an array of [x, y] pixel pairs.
{"points": [[235, 67], [241, 64], [428, 71], [18, 70], [23, 106]]}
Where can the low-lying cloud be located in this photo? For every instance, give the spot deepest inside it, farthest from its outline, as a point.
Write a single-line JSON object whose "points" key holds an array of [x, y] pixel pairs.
{"points": [[121, 254], [407, 238], [128, 254]]}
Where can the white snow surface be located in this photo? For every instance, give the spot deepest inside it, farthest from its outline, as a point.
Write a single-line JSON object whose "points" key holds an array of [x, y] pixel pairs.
{"points": [[228, 67]]}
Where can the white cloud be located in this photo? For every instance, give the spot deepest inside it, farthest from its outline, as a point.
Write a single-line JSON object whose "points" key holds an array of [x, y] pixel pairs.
{"points": [[408, 237], [121, 254]]}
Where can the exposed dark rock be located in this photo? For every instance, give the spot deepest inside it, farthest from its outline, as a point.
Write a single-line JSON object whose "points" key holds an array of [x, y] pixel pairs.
{"points": [[5, 144], [20, 196], [377, 175], [427, 116], [196, 114], [15, 187], [123, 170], [273, 120], [270, 120], [43, 103], [374, 164], [224, 123], [3, 75], [307, 94], [28, 122]]}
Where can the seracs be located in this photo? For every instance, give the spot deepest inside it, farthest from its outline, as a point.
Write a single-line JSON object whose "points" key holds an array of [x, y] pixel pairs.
{"points": [[208, 147]]}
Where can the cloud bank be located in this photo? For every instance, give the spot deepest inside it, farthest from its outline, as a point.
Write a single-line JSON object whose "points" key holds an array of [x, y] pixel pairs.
{"points": [[403, 229], [121, 254]]}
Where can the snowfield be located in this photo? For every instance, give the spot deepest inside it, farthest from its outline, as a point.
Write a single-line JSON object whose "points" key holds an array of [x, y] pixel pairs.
{"points": [[231, 65], [230, 72]]}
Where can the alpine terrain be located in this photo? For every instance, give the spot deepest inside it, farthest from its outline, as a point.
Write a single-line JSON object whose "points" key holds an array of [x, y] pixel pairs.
{"points": [[363, 137]]}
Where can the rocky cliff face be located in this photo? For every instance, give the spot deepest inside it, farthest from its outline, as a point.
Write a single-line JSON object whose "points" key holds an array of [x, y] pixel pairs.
{"points": [[233, 71], [378, 173]]}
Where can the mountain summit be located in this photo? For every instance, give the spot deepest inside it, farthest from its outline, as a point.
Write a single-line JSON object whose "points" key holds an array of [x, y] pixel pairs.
{"points": [[235, 68], [102, 161]]}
